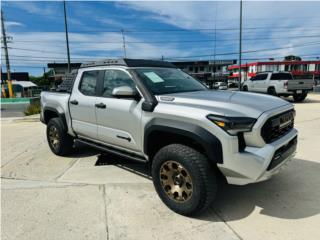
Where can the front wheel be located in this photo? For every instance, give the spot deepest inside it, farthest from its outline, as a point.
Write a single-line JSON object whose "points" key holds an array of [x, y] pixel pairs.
{"points": [[183, 179], [60, 142], [299, 97]]}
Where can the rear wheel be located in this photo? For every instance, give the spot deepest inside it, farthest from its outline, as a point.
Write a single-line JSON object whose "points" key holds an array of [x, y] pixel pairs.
{"points": [[60, 142], [272, 91], [299, 97], [184, 180]]}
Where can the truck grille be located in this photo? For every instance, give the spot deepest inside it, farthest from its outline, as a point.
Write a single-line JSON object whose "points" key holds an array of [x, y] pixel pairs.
{"points": [[277, 126]]}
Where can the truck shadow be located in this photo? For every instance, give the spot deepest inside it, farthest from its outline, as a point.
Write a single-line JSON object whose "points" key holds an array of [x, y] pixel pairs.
{"points": [[307, 100], [292, 194]]}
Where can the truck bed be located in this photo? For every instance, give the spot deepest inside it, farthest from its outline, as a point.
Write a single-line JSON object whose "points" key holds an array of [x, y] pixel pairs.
{"points": [[55, 100], [300, 84]]}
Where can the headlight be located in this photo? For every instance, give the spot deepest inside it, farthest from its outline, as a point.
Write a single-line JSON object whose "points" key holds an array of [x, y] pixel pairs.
{"points": [[233, 125]]}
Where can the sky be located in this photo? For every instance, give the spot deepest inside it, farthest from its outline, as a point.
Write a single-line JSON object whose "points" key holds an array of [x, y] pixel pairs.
{"points": [[174, 31]]}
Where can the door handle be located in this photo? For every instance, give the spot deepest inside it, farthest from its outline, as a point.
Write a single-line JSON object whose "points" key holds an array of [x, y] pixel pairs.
{"points": [[74, 102], [100, 105]]}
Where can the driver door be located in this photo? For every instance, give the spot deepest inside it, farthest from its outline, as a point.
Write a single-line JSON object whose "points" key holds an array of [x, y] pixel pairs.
{"points": [[118, 119]]}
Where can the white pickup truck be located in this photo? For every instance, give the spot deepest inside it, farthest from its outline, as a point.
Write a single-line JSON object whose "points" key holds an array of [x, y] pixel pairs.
{"points": [[151, 112], [279, 84]]}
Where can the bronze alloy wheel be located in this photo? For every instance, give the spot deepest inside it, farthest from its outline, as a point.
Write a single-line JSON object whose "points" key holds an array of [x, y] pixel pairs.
{"points": [[54, 137], [176, 181]]}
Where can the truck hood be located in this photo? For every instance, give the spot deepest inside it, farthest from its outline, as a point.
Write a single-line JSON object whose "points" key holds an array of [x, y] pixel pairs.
{"points": [[228, 103]]}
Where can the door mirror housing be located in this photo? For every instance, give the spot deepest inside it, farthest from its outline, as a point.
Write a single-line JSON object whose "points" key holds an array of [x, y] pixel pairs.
{"points": [[125, 92]]}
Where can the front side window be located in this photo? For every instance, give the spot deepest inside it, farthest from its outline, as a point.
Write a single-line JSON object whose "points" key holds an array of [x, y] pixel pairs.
{"points": [[168, 80], [88, 83], [113, 79], [261, 77]]}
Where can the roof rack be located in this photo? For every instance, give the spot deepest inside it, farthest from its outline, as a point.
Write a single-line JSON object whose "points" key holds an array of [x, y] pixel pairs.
{"points": [[129, 63], [105, 62]]}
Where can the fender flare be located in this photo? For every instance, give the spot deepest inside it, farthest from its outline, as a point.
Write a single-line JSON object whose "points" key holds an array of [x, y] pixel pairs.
{"points": [[210, 143], [62, 116]]}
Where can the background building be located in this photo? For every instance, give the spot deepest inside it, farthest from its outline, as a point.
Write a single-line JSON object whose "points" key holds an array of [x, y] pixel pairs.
{"points": [[298, 69], [17, 76], [207, 71]]}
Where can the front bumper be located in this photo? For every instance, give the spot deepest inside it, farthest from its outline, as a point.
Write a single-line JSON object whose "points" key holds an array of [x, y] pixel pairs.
{"points": [[257, 164]]}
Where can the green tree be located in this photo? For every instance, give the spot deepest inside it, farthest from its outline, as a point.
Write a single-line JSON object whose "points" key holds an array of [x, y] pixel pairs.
{"points": [[40, 81]]}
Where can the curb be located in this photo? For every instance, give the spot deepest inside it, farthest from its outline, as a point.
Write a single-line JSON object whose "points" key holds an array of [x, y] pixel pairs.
{"points": [[33, 118]]}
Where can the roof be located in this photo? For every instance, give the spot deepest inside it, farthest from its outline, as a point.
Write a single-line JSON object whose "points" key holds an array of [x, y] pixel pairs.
{"points": [[24, 84], [129, 63], [19, 76]]}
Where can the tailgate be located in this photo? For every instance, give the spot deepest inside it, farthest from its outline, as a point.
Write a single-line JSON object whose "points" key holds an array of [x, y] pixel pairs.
{"points": [[300, 84]]}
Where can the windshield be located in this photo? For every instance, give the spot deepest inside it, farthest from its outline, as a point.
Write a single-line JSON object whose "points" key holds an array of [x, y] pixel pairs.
{"points": [[168, 80]]}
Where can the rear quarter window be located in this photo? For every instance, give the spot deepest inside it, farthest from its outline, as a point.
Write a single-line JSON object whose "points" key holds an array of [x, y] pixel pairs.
{"points": [[88, 83], [281, 76]]}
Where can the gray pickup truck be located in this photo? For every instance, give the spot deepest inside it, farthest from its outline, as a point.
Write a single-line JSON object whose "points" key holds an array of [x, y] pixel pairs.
{"points": [[152, 112]]}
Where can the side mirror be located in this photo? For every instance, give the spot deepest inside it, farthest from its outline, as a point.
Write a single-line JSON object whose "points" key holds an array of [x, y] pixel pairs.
{"points": [[124, 92]]}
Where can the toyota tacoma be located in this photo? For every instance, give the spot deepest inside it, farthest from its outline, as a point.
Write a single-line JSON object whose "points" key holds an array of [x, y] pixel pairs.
{"points": [[152, 112]]}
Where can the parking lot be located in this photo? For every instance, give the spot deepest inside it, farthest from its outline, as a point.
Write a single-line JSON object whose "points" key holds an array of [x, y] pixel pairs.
{"points": [[96, 196]]}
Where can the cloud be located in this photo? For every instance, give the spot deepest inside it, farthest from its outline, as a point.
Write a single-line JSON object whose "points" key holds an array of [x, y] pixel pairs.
{"points": [[13, 24], [272, 25], [272, 20], [39, 8]]}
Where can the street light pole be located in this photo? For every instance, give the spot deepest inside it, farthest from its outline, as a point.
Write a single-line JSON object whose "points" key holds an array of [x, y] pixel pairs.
{"points": [[67, 37], [240, 45]]}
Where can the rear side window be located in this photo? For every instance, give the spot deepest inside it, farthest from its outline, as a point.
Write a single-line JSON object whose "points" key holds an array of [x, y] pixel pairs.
{"points": [[89, 82], [281, 76]]}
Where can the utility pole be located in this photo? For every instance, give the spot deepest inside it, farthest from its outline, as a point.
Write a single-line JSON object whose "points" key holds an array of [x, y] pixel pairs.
{"points": [[124, 44], [215, 42], [67, 37], [240, 45], [4, 36]]}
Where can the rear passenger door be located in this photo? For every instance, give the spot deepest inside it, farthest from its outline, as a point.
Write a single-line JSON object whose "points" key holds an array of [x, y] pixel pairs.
{"points": [[119, 121], [82, 104], [260, 83]]}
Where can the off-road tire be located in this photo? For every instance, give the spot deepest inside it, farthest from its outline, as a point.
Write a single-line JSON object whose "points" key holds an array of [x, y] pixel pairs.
{"points": [[271, 91], [65, 144], [204, 178], [299, 97]]}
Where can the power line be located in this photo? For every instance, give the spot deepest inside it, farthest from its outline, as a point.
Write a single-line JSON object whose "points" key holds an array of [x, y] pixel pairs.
{"points": [[32, 50], [177, 41], [246, 59], [249, 51], [137, 30], [207, 55]]}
